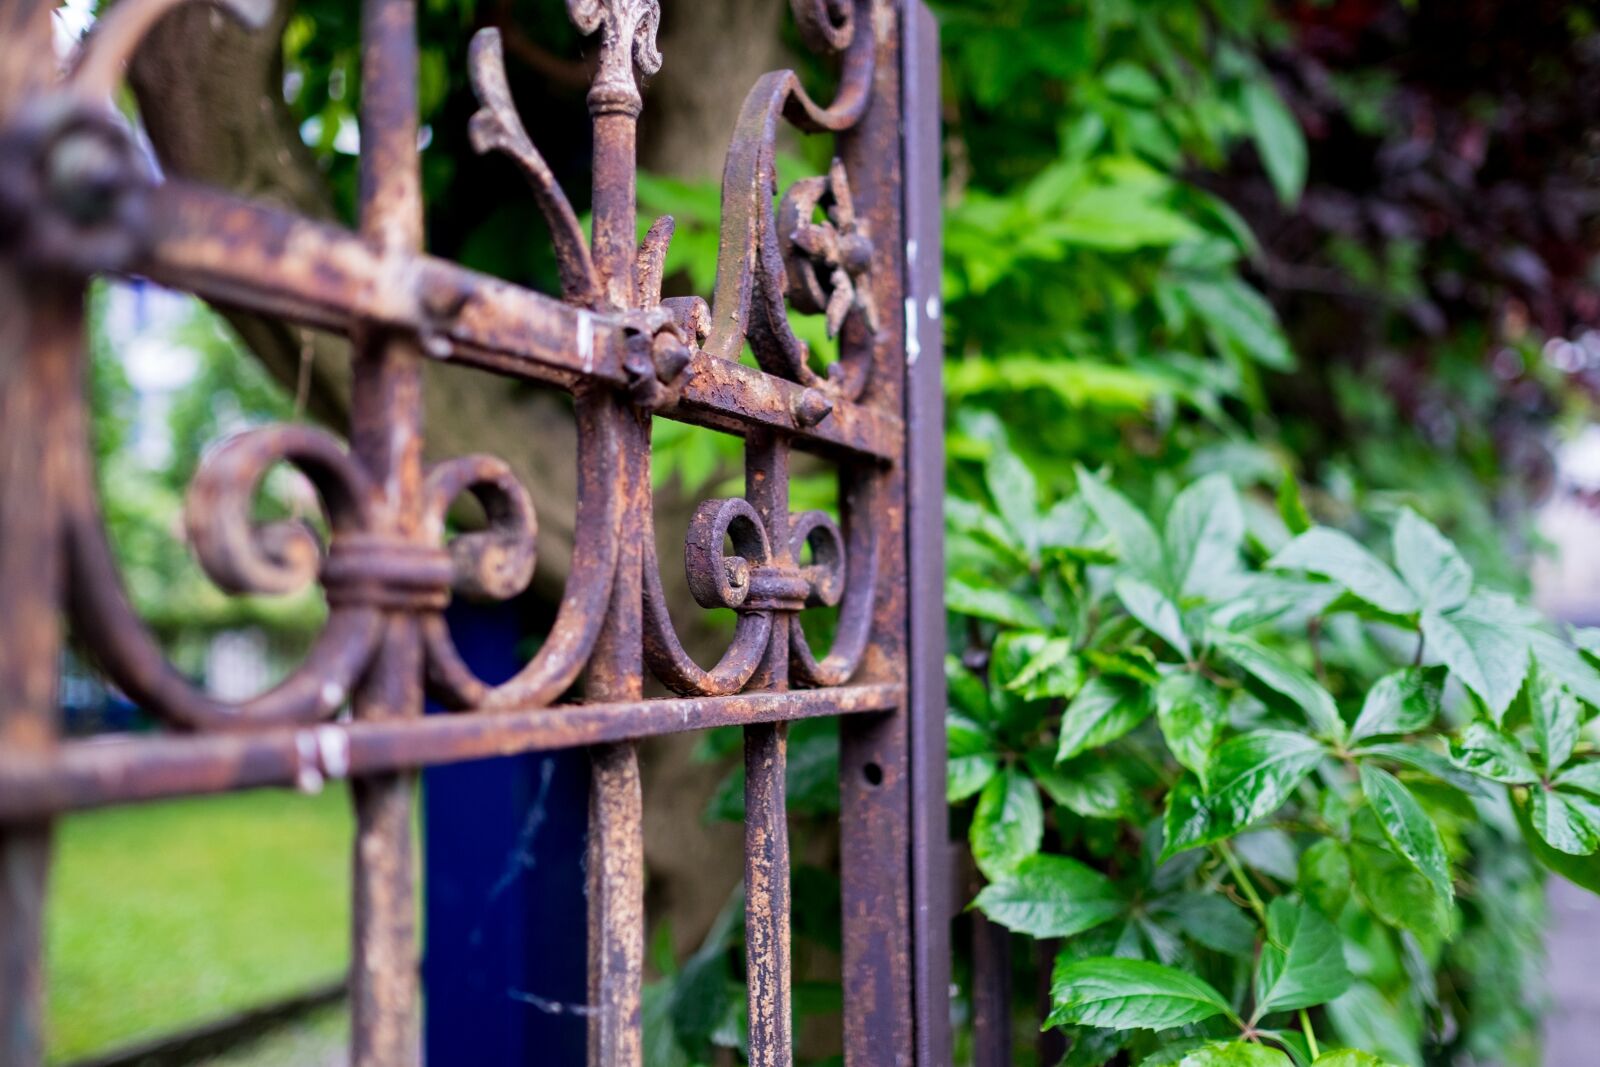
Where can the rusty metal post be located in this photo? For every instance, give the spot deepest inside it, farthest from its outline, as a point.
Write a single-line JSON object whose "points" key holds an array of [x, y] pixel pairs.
{"points": [[874, 764], [766, 824], [616, 812], [40, 348], [386, 435], [616, 802]]}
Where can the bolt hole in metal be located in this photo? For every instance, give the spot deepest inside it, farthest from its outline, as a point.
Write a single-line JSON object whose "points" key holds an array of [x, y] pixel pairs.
{"points": [[873, 774]]}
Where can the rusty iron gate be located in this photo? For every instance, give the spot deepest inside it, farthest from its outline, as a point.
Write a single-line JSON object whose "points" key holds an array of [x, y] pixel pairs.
{"points": [[858, 244]]}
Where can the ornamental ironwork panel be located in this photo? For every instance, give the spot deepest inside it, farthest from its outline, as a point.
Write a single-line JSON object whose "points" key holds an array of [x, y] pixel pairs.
{"points": [[858, 245]]}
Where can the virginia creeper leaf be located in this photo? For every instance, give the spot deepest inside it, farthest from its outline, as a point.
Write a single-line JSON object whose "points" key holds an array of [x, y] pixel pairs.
{"points": [[1122, 994]]}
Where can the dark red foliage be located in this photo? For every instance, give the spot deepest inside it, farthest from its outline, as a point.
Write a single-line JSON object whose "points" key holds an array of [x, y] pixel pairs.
{"points": [[1457, 141]]}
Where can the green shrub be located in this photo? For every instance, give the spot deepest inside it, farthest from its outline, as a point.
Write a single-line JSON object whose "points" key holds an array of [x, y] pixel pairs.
{"points": [[1275, 794]]}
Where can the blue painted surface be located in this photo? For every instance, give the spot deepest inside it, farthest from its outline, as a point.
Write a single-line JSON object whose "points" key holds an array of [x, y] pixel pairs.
{"points": [[504, 964]]}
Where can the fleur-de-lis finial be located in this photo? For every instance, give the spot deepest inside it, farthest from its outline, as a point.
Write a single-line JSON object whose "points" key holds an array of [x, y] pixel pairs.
{"points": [[627, 40]]}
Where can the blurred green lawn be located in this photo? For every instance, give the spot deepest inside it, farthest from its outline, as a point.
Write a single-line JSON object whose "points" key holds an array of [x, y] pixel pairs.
{"points": [[166, 915]]}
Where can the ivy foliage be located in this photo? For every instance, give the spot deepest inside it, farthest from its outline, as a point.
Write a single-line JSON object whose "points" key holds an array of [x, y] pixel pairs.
{"points": [[1250, 772]]}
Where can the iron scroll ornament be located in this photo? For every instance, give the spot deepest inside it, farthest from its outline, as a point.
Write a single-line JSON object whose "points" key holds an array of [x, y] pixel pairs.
{"points": [[80, 162]]}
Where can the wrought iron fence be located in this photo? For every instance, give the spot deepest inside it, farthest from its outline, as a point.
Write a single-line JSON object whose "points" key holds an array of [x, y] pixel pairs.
{"points": [[859, 245]]}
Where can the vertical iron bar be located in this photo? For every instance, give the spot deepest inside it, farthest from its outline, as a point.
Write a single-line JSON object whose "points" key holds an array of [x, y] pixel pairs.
{"points": [[874, 765], [616, 669], [386, 434], [924, 325], [991, 993], [41, 347], [766, 825], [39, 358], [616, 906], [616, 806]]}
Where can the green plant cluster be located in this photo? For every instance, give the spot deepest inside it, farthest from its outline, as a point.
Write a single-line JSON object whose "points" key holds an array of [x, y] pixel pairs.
{"points": [[1259, 780]]}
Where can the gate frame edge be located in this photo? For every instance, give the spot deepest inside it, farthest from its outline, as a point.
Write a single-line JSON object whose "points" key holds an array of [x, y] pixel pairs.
{"points": [[924, 464]]}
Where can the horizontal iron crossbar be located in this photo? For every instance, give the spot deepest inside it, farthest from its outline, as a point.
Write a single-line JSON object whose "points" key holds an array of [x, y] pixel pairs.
{"points": [[96, 774], [258, 258]]}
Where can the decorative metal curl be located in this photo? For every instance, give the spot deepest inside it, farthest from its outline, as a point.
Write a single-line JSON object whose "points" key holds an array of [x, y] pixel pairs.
{"points": [[242, 557], [825, 575], [826, 26], [752, 281], [279, 557], [827, 262], [493, 565], [850, 558], [496, 127], [715, 580]]}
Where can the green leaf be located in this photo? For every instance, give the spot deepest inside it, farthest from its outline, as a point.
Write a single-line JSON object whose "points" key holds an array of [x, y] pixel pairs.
{"points": [[1135, 539], [1241, 320], [1481, 647], [1564, 664], [972, 759], [1204, 532], [1155, 612], [1291, 507], [1362, 1017], [1488, 753], [1582, 776], [1115, 218], [1430, 564], [1015, 493], [1579, 870], [1278, 672], [1408, 827], [1250, 778], [1052, 671], [1122, 994], [1091, 787], [1349, 1057], [1191, 714], [1324, 875], [1278, 139], [987, 602], [1338, 556], [1410, 754], [1555, 720], [968, 693], [1567, 822], [1400, 703], [1235, 1054], [1008, 825], [1302, 962], [1209, 919], [1051, 896], [1395, 890], [1105, 709]]}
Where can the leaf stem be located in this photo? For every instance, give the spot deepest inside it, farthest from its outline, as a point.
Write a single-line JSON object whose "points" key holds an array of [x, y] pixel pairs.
{"points": [[1243, 881], [1311, 1034], [1416, 660]]}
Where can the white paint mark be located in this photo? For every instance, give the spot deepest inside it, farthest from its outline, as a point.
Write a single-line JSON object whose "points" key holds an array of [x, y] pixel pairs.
{"points": [[586, 340], [911, 252], [913, 342], [332, 695], [933, 308], [307, 773], [551, 1007], [333, 744]]}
